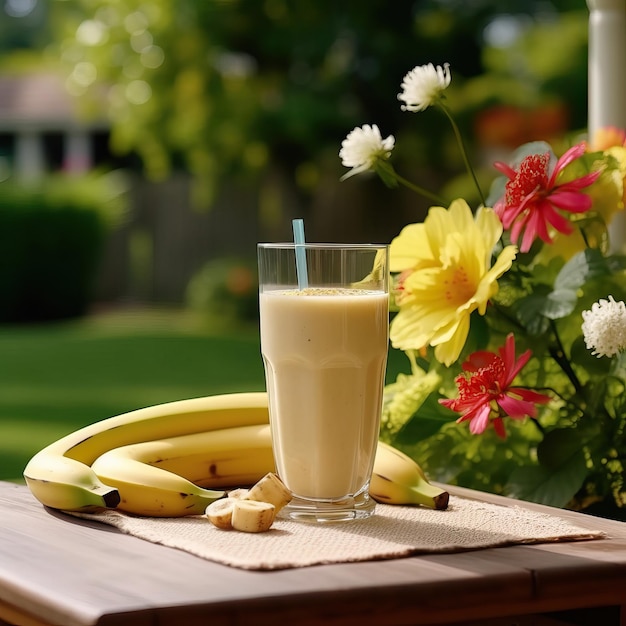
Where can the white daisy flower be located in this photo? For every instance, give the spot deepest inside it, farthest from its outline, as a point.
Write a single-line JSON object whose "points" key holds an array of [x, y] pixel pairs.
{"points": [[363, 147], [604, 327], [423, 86]]}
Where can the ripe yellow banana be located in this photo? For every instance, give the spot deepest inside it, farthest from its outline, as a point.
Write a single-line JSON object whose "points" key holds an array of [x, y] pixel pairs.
{"points": [[165, 477], [64, 483], [61, 475], [398, 479], [231, 457], [242, 456], [73, 486], [149, 491]]}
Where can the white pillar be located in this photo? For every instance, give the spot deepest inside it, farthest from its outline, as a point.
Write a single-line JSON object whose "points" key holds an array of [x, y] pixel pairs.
{"points": [[30, 159], [77, 156], [607, 82]]}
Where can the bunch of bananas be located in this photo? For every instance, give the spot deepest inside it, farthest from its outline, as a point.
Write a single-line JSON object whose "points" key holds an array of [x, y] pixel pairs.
{"points": [[174, 459]]}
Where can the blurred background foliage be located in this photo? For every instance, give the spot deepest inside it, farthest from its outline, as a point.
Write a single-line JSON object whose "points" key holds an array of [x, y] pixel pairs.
{"points": [[260, 93], [232, 89]]}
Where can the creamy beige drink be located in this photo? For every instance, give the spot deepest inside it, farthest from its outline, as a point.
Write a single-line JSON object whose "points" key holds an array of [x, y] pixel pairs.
{"points": [[325, 353]]}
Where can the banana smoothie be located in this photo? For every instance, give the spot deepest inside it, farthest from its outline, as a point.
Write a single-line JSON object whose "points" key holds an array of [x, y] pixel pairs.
{"points": [[325, 353]]}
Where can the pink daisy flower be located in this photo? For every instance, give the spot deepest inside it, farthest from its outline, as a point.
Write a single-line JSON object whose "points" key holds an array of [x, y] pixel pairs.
{"points": [[533, 200], [485, 391]]}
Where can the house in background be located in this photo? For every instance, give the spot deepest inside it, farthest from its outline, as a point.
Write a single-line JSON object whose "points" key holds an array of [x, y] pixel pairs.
{"points": [[163, 240], [41, 131]]}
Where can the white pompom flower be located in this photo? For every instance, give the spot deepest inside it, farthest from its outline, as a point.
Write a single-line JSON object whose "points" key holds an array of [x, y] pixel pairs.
{"points": [[363, 148], [423, 86], [604, 327]]}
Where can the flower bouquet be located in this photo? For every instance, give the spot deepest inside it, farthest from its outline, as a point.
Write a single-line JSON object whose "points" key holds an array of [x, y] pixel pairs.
{"points": [[512, 318]]}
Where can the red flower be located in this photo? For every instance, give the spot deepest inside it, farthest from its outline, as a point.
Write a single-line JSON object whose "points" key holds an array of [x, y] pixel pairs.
{"points": [[485, 385], [533, 198]]}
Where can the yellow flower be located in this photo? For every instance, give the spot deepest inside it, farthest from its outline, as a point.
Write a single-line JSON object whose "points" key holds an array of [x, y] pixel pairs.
{"points": [[607, 137], [445, 274], [612, 142], [619, 154]]}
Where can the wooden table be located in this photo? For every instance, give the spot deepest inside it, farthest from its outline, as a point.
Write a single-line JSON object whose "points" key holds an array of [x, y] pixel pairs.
{"points": [[56, 569]]}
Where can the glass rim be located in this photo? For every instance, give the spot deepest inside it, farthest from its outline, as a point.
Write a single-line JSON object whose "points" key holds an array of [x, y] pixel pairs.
{"points": [[290, 245]]}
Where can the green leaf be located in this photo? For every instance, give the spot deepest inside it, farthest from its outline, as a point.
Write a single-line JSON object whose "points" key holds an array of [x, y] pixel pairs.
{"points": [[529, 311], [558, 447], [580, 268], [559, 303], [427, 421], [562, 300], [404, 399], [558, 477], [616, 263], [581, 356], [538, 484]]}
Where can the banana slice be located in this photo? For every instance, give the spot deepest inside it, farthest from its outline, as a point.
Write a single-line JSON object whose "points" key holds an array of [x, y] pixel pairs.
{"points": [[270, 489], [238, 494], [251, 516], [220, 513]]}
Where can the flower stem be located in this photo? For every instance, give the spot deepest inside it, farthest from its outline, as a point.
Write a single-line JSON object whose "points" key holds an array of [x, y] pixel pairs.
{"points": [[558, 354], [420, 190], [389, 176], [539, 426], [411, 355], [459, 139]]}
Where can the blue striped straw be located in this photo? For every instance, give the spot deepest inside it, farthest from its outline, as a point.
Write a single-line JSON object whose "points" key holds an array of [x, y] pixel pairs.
{"points": [[298, 237]]}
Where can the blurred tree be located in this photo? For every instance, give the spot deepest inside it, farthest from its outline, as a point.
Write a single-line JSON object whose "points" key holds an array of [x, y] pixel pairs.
{"points": [[230, 88], [23, 24]]}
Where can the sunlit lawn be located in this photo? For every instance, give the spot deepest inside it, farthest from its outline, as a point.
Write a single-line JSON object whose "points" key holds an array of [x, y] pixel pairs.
{"points": [[55, 378]]}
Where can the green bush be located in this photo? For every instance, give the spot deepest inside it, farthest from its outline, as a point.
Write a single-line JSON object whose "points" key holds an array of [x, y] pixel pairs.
{"points": [[51, 239]]}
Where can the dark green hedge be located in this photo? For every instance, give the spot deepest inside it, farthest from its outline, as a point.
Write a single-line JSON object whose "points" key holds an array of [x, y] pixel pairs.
{"points": [[51, 240]]}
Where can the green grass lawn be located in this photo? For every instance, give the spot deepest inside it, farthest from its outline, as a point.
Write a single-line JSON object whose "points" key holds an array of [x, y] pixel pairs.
{"points": [[55, 378]]}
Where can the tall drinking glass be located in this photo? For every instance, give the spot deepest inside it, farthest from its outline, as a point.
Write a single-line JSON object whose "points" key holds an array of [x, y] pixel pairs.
{"points": [[324, 311]]}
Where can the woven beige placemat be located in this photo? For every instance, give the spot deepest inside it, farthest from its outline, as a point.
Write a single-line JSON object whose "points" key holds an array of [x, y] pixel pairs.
{"points": [[392, 532]]}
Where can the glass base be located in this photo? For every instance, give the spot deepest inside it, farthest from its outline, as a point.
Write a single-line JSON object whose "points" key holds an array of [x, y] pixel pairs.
{"points": [[319, 511]]}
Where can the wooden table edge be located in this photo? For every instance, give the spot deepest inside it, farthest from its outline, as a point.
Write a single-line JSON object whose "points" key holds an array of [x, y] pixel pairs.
{"points": [[268, 609]]}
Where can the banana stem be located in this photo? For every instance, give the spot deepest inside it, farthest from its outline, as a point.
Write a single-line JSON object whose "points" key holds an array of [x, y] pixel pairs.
{"points": [[431, 496]]}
